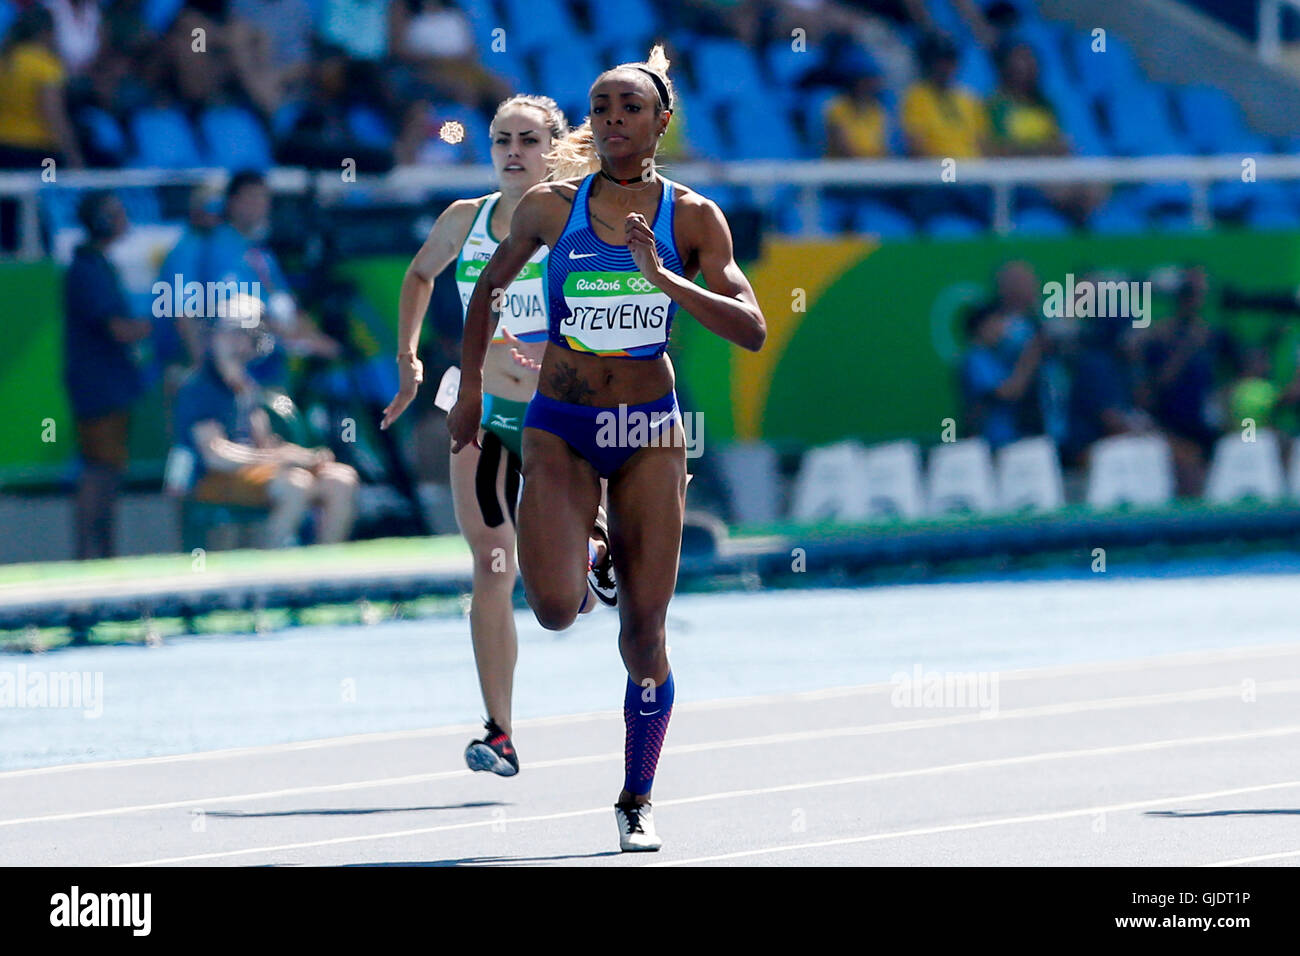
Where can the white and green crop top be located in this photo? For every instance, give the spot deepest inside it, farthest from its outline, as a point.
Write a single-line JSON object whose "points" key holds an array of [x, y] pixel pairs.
{"points": [[523, 307]]}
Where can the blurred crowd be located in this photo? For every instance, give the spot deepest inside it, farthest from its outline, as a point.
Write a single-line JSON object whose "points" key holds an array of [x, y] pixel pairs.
{"points": [[95, 83], [238, 355], [1078, 380]]}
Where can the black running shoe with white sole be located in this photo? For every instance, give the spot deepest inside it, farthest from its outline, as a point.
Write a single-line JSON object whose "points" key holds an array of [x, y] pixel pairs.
{"points": [[636, 828], [495, 752], [601, 576]]}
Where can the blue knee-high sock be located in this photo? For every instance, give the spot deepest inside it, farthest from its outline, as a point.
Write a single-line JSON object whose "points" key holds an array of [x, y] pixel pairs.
{"points": [[645, 714]]}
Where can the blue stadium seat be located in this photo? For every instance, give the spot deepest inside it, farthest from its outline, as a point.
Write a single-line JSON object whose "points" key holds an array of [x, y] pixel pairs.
{"points": [[369, 126], [881, 219], [1173, 221], [1112, 71], [1078, 121], [1140, 124], [478, 140], [7, 16], [1117, 217], [703, 134], [533, 24], [975, 71], [1040, 221], [731, 71], [635, 22], [158, 15], [1213, 122], [510, 63], [234, 139], [163, 138], [947, 18], [1270, 217], [1161, 197], [105, 132], [761, 132], [285, 116], [141, 205], [951, 225], [566, 74], [786, 65]]}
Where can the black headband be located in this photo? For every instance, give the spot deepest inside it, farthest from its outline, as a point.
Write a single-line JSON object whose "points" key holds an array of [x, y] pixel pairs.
{"points": [[662, 87]]}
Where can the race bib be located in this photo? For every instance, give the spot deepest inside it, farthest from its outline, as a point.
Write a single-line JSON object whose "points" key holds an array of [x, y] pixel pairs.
{"points": [[522, 305], [614, 313]]}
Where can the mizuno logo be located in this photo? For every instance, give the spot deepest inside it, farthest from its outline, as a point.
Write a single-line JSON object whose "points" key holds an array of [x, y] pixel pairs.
{"points": [[581, 255], [501, 421]]}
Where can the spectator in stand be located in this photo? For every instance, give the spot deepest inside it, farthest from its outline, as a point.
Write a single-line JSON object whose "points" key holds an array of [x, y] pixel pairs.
{"points": [[238, 460], [99, 371], [233, 59], [857, 124], [436, 43], [238, 252], [994, 385], [1023, 123], [1102, 402], [941, 118], [322, 134], [286, 32], [34, 123], [1181, 358]]}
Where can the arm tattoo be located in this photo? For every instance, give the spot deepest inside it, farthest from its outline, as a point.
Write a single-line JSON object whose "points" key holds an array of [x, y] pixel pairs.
{"points": [[571, 386]]}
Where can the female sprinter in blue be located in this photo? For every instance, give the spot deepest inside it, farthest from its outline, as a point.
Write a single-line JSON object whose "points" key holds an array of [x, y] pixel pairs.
{"points": [[485, 479], [625, 246]]}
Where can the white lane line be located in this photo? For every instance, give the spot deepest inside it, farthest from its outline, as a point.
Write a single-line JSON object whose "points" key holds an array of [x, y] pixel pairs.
{"points": [[798, 736], [785, 788], [1264, 858], [1187, 658], [985, 824]]}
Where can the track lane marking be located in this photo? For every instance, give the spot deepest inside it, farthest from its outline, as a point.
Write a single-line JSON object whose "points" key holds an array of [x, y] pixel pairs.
{"points": [[1187, 658], [1042, 710], [781, 788]]}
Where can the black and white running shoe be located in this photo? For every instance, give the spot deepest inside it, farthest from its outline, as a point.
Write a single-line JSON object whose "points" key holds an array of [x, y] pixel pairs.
{"points": [[601, 576], [636, 828], [494, 752]]}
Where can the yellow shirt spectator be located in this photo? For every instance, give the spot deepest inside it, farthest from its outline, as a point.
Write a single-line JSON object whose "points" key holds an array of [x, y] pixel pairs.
{"points": [[24, 74], [1021, 126], [944, 122], [855, 129]]}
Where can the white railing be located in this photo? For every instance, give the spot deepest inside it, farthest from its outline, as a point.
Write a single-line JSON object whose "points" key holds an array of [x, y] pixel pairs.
{"points": [[764, 177]]}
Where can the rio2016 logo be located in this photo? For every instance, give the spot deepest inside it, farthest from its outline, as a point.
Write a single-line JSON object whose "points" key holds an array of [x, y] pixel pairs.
{"points": [[639, 284]]}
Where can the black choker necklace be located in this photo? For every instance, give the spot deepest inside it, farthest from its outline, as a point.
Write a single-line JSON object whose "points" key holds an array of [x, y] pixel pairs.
{"points": [[624, 182]]}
